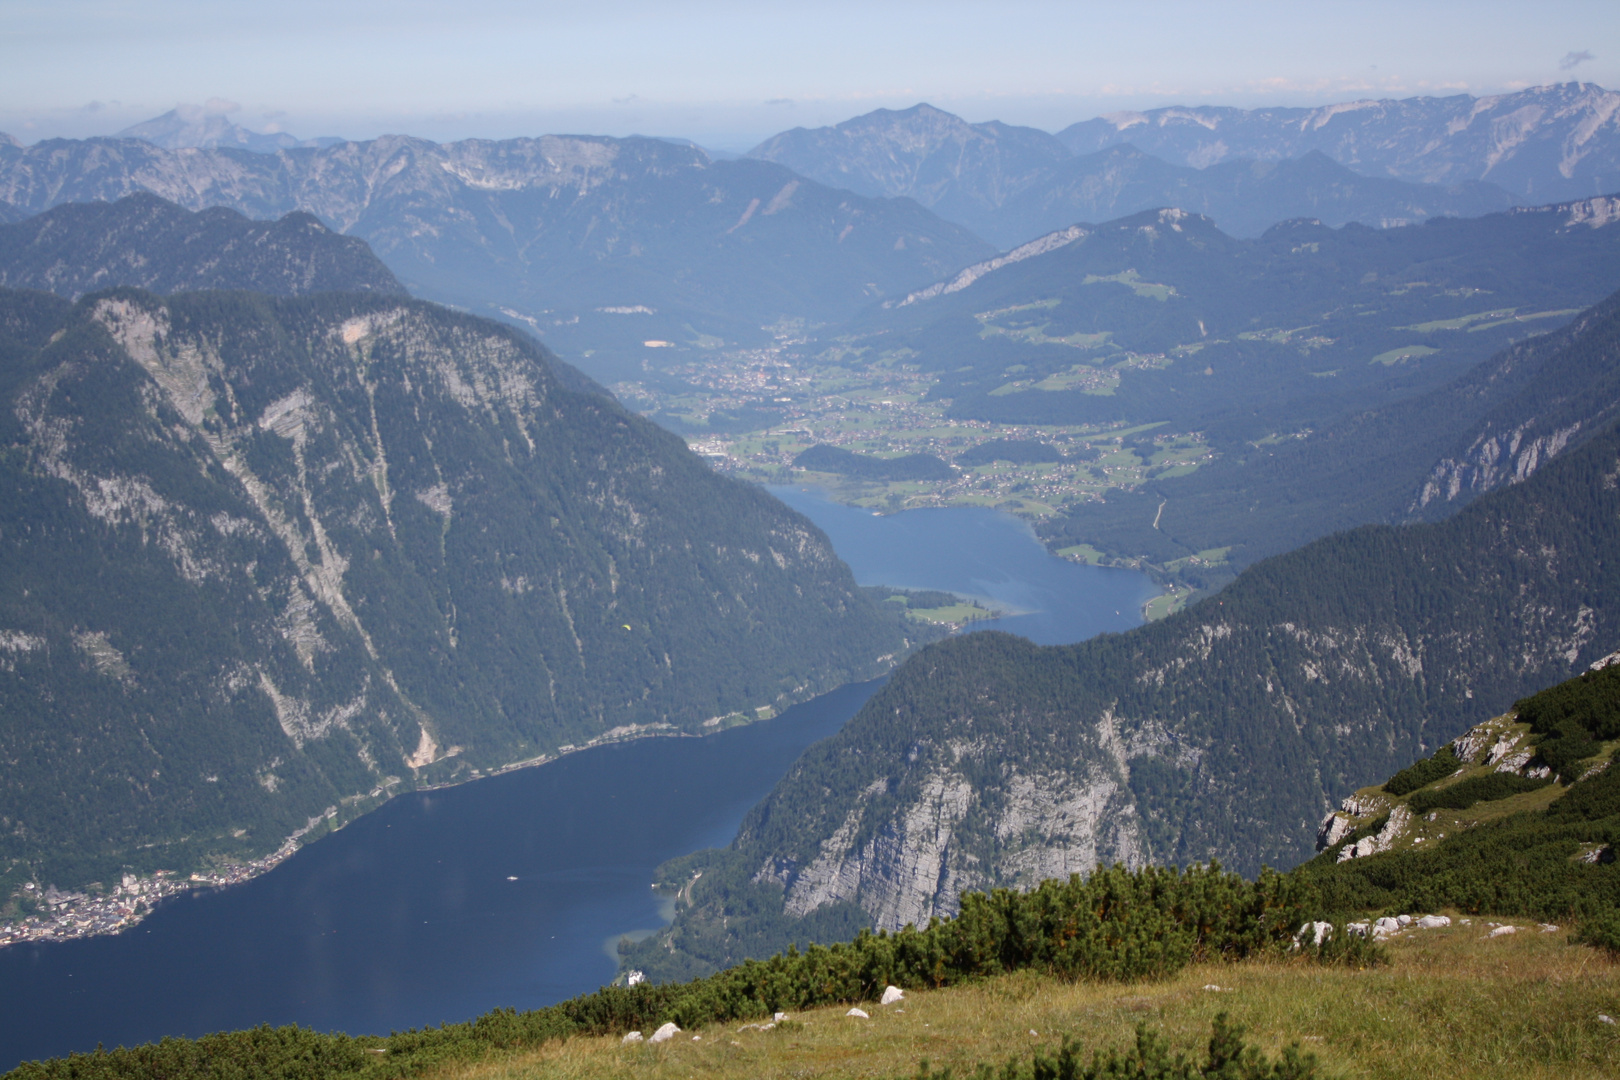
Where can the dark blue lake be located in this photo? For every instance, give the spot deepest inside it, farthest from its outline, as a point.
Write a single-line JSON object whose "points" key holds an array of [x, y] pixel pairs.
{"points": [[978, 552], [409, 916]]}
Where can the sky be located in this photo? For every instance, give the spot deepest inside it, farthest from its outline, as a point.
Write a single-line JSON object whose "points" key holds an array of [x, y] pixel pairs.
{"points": [[728, 75]]}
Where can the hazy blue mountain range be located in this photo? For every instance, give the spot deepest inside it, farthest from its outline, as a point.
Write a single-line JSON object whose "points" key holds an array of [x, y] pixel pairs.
{"points": [[638, 239], [1419, 458], [186, 126], [1543, 144], [1010, 184], [1243, 197], [1224, 731], [1163, 317], [146, 241], [266, 557]]}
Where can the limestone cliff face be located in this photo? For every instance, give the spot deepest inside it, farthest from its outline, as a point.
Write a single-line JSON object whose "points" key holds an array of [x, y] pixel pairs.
{"points": [[265, 556], [953, 838]]}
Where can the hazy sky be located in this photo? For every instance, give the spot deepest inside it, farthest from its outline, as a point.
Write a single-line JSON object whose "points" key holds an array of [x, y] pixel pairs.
{"points": [[728, 74]]}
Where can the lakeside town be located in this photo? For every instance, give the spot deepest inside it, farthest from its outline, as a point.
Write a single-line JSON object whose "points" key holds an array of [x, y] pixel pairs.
{"points": [[62, 916]]}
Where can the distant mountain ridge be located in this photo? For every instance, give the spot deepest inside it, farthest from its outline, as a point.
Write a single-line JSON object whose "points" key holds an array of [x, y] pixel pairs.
{"points": [[194, 126], [1010, 184], [1399, 161], [550, 230], [1543, 144]]}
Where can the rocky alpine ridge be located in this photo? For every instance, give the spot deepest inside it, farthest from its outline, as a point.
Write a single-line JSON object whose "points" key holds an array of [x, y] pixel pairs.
{"points": [[267, 561]]}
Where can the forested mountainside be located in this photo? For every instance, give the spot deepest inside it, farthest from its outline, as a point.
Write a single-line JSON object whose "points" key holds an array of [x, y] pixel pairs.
{"points": [[152, 243], [269, 559], [1009, 184], [641, 239], [1224, 731], [1543, 144], [1417, 459], [1162, 317]]}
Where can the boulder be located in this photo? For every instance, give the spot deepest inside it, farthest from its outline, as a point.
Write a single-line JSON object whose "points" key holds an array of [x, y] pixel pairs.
{"points": [[1500, 930], [1431, 922], [1313, 933], [665, 1033], [633, 1037], [1385, 927], [892, 994], [859, 1014]]}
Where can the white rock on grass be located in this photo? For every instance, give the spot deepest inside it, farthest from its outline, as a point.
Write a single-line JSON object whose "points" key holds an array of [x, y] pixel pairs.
{"points": [[859, 1014], [1604, 1018], [665, 1033], [1500, 930], [892, 994], [1385, 927], [1432, 922], [1358, 929], [779, 1017], [633, 1037], [1404, 920], [1548, 928], [1313, 933]]}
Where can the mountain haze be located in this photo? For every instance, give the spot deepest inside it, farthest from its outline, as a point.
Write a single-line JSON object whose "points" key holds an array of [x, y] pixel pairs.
{"points": [[1009, 184], [636, 233]]}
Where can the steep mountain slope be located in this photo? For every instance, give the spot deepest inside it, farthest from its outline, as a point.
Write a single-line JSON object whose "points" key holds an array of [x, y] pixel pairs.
{"points": [[665, 242], [1009, 184], [1419, 458], [152, 243], [1542, 144], [1223, 731], [1162, 317], [271, 560]]}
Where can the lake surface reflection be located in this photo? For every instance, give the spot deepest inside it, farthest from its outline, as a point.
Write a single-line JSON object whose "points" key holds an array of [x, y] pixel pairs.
{"points": [[508, 891]]}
